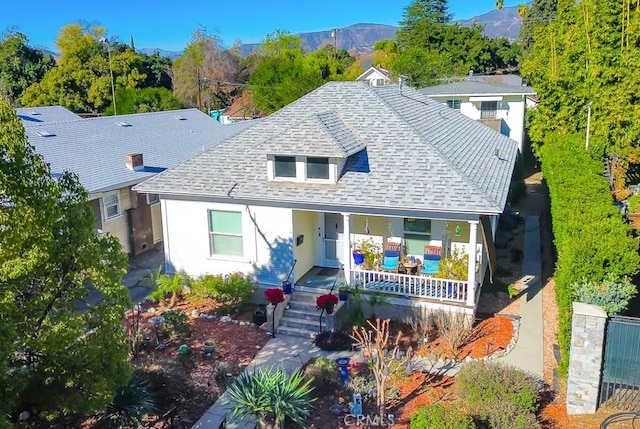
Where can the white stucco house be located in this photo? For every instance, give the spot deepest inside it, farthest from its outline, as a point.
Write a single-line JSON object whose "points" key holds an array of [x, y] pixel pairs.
{"points": [[345, 162], [110, 154], [500, 106], [375, 76]]}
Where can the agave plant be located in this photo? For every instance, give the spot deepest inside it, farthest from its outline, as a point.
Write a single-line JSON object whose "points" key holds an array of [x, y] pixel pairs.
{"points": [[266, 393], [130, 404]]}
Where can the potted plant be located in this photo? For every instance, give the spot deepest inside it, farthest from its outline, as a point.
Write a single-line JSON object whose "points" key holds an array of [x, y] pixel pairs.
{"points": [[326, 302], [358, 257], [209, 346], [343, 292], [274, 296]]}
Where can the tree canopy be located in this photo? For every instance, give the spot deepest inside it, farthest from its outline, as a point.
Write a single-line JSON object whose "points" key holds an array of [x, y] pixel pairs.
{"points": [[60, 353]]}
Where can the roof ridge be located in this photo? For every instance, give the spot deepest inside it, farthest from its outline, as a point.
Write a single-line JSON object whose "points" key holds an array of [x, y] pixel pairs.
{"points": [[446, 159]]}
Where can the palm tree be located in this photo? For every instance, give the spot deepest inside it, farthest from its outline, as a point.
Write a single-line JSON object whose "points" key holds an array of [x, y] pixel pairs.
{"points": [[499, 4], [168, 284], [522, 10]]}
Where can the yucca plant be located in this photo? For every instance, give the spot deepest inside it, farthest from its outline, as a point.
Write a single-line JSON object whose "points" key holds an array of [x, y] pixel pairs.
{"points": [[266, 393], [131, 403]]}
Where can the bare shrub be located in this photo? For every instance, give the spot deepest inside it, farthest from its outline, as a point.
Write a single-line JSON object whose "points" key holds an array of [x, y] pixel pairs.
{"points": [[421, 322], [456, 328]]}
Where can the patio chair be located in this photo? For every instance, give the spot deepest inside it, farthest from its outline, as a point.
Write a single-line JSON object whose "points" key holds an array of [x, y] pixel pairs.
{"points": [[391, 255], [431, 262]]}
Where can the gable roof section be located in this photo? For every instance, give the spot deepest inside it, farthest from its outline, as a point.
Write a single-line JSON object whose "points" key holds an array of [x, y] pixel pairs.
{"points": [[420, 156], [40, 115], [374, 69], [321, 135], [469, 88], [95, 149]]}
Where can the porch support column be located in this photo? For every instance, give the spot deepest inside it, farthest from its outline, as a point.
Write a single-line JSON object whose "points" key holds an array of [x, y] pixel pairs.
{"points": [[346, 218], [471, 273]]}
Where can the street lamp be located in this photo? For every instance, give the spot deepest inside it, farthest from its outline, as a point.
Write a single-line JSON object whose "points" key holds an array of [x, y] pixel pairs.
{"points": [[113, 88]]}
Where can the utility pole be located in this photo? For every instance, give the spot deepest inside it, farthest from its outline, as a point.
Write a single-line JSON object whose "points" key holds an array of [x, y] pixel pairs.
{"points": [[586, 143], [334, 35], [199, 90], [113, 88]]}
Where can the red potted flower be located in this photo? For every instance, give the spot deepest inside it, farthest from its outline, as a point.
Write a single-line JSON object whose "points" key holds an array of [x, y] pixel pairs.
{"points": [[326, 302], [274, 296]]}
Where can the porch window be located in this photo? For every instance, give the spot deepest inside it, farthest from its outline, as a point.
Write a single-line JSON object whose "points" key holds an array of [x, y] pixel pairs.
{"points": [[417, 233], [111, 203], [454, 104], [488, 109], [153, 199], [317, 168], [225, 233], [285, 166]]}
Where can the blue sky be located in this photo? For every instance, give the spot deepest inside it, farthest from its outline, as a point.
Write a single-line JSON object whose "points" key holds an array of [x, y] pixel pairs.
{"points": [[169, 25]]}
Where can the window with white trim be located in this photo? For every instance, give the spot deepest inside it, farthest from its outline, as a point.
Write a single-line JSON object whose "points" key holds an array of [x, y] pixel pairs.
{"points": [[285, 166], [488, 109], [454, 104], [225, 233], [111, 203], [317, 168], [153, 199], [417, 233]]}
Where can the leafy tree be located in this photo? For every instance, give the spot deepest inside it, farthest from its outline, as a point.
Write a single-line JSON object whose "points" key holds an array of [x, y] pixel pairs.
{"points": [[140, 100], [20, 65], [540, 13], [60, 353], [202, 74]]}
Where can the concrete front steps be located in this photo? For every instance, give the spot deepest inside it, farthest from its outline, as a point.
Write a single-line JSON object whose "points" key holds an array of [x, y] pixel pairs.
{"points": [[300, 318]]}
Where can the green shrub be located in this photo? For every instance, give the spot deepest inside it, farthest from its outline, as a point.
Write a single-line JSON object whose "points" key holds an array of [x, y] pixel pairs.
{"points": [[441, 416], [176, 323], [361, 384], [591, 238], [231, 290], [130, 404], [610, 294], [324, 373], [505, 415], [481, 385], [168, 284], [634, 203]]}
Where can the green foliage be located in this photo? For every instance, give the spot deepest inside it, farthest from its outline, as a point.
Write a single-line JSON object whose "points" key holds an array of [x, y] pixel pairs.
{"points": [[371, 250], [633, 203], [231, 290], [324, 375], [441, 416], [168, 284], [455, 266], [355, 315], [612, 294], [539, 15], [176, 323], [507, 415], [482, 385], [362, 384], [130, 404], [377, 299], [59, 353], [141, 100], [20, 65], [266, 392], [592, 240]]}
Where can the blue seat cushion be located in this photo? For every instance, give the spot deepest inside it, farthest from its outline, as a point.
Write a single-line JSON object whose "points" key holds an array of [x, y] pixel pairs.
{"points": [[431, 266], [430, 257], [391, 253], [390, 262]]}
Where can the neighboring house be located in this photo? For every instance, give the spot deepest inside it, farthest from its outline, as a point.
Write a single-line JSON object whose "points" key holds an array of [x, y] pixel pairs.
{"points": [[501, 107], [111, 154], [375, 76], [345, 162]]}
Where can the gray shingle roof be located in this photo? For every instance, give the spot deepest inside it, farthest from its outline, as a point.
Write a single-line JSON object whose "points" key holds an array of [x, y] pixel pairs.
{"points": [[470, 88], [95, 149], [420, 156], [39, 115]]}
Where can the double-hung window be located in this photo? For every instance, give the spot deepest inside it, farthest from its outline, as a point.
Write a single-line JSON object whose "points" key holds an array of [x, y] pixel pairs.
{"points": [[111, 203], [225, 233], [417, 233], [488, 109]]}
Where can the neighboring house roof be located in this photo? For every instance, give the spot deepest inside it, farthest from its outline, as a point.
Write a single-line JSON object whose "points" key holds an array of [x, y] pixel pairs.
{"points": [[420, 157], [498, 79], [39, 115], [95, 149], [374, 69], [471, 88]]}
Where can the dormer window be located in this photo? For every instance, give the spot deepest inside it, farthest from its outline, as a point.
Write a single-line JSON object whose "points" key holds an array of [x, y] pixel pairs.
{"points": [[318, 168], [285, 166]]}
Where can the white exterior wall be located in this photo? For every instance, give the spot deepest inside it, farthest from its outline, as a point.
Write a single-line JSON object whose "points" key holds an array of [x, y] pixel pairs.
{"points": [[186, 232]]}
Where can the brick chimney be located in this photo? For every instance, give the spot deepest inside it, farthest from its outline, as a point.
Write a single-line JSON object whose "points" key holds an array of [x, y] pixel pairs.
{"points": [[134, 162]]}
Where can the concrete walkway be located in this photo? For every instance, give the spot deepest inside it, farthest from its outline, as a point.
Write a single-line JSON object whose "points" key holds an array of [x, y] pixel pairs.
{"points": [[528, 351]]}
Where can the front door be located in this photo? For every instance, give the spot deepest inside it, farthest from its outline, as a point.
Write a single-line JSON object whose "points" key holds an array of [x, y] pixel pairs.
{"points": [[333, 240]]}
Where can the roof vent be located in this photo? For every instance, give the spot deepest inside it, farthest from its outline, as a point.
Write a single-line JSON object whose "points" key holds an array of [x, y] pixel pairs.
{"points": [[181, 118], [44, 133], [134, 162], [124, 124], [34, 113]]}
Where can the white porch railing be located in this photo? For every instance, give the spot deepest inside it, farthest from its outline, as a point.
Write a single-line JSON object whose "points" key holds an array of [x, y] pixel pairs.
{"points": [[410, 285]]}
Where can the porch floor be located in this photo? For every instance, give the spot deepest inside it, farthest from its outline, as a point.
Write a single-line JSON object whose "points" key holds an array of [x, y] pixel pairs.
{"points": [[320, 277]]}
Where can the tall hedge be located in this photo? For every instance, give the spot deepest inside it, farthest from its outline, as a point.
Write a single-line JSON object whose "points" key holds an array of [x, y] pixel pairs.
{"points": [[592, 240]]}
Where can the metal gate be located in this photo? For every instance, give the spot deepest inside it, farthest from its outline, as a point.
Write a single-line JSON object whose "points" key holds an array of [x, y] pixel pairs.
{"points": [[620, 384]]}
